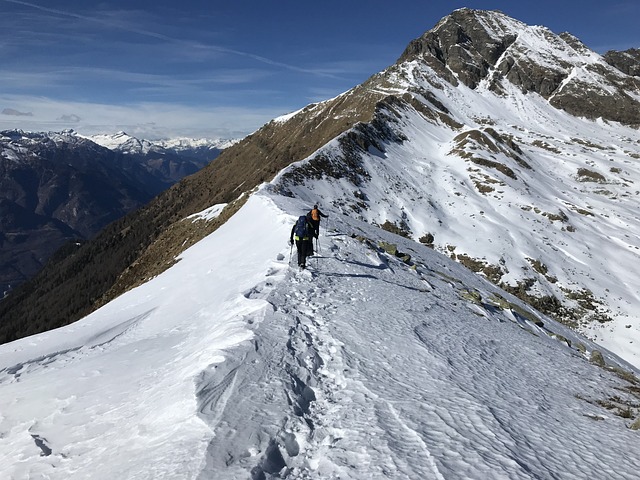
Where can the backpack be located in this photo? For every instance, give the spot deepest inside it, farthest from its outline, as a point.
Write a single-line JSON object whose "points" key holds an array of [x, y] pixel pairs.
{"points": [[301, 230]]}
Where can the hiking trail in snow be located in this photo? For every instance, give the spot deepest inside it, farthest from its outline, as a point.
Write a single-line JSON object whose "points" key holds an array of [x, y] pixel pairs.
{"points": [[366, 371]]}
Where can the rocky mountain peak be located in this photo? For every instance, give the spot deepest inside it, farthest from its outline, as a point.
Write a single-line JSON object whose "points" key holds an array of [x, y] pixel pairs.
{"points": [[483, 49], [465, 45], [627, 61]]}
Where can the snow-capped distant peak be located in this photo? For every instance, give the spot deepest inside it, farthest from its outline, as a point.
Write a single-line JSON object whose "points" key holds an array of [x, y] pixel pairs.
{"points": [[183, 143], [123, 142], [111, 141]]}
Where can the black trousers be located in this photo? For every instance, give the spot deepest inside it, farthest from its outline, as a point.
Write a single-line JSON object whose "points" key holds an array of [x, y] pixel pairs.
{"points": [[303, 251]]}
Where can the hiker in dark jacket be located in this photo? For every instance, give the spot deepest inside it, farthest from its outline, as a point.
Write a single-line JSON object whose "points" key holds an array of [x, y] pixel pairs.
{"points": [[314, 234], [303, 233]]}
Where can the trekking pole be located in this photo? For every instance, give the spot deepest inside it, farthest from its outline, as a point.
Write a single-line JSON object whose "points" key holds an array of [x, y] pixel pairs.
{"points": [[290, 252]]}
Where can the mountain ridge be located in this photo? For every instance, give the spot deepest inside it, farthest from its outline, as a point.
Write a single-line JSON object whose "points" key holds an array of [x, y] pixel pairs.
{"points": [[201, 148], [475, 144]]}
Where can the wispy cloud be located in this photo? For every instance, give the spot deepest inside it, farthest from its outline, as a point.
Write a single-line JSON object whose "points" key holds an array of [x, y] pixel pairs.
{"points": [[73, 118], [145, 119], [187, 43], [158, 71], [16, 113]]}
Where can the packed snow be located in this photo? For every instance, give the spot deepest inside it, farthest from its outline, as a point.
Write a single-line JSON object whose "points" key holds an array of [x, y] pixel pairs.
{"points": [[233, 364]]}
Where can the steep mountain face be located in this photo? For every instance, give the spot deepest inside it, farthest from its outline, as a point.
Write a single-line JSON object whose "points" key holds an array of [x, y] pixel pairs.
{"points": [[56, 187], [627, 62], [509, 148], [476, 47], [479, 152]]}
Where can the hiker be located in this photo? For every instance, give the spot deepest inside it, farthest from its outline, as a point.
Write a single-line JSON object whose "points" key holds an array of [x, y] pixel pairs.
{"points": [[303, 233], [314, 234], [315, 219]]}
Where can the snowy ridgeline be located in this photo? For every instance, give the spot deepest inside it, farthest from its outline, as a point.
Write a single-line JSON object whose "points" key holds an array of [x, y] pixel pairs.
{"points": [[234, 365]]}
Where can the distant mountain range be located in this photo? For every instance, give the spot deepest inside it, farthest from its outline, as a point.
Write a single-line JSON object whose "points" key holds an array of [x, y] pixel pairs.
{"points": [[203, 150], [60, 187], [507, 147]]}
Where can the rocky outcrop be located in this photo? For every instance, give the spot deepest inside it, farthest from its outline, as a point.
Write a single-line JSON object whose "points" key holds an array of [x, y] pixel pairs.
{"points": [[472, 46], [459, 48], [627, 62]]}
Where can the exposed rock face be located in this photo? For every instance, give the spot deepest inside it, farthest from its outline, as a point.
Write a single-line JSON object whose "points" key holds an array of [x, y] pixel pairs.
{"points": [[473, 46], [627, 61], [459, 47]]}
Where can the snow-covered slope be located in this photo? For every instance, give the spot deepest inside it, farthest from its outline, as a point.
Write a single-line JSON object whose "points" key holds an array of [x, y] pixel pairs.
{"points": [[541, 201], [508, 147], [232, 365]]}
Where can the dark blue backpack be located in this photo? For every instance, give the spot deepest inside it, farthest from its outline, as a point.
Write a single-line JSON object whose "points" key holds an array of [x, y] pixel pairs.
{"points": [[301, 229]]}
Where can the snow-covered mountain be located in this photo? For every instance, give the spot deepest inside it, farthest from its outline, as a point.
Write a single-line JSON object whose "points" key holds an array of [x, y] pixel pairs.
{"points": [[491, 170], [201, 148], [55, 188], [511, 149], [174, 158]]}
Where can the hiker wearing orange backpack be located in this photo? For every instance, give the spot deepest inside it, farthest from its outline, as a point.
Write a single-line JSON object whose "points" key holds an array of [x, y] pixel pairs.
{"points": [[316, 214]]}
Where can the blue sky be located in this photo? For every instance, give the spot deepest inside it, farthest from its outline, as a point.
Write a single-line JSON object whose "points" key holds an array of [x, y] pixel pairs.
{"points": [[158, 69]]}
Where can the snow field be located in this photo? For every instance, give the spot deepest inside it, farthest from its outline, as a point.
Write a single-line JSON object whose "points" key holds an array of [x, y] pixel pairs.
{"points": [[389, 373], [233, 365], [113, 394]]}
